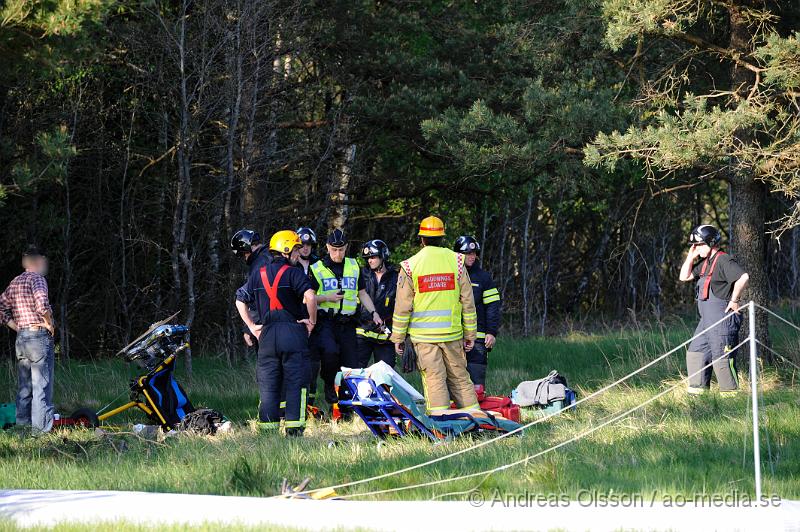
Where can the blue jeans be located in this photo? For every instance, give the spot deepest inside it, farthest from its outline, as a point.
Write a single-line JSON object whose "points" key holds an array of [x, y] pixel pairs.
{"points": [[35, 364]]}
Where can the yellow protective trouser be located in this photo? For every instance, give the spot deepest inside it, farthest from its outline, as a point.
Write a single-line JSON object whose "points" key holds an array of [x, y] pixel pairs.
{"points": [[443, 367]]}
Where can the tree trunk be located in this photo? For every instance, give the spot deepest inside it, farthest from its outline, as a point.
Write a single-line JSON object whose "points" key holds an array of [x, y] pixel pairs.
{"points": [[793, 263], [184, 189], [748, 215], [67, 273], [123, 239], [633, 294], [594, 265], [525, 254], [235, 105], [654, 281], [164, 141], [503, 280], [188, 264], [250, 149], [548, 269], [63, 327], [339, 187], [748, 196]]}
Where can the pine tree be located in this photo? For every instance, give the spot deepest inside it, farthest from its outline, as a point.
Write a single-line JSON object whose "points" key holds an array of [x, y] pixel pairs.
{"points": [[717, 99]]}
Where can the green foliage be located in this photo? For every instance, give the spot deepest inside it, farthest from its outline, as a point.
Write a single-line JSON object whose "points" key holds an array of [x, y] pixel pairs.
{"points": [[479, 112], [751, 128], [48, 18], [781, 57], [42, 37], [696, 136], [49, 163], [630, 18], [42, 46], [480, 139], [562, 92]]}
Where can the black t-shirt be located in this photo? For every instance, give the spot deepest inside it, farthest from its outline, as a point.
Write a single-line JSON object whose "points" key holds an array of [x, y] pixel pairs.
{"points": [[381, 292], [337, 269], [291, 288], [726, 272]]}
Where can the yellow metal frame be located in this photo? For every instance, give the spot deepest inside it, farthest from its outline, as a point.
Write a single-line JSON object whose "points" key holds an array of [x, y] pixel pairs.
{"points": [[139, 404]]}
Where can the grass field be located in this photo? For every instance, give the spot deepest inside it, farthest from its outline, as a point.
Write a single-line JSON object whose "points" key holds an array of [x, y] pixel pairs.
{"points": [[674, 446]]}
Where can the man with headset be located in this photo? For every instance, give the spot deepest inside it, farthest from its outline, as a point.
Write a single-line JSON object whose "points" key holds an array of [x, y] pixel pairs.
{"points": [[719, 282]]}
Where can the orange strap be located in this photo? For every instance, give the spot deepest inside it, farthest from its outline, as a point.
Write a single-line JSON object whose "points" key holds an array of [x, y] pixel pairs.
{"points": [[707, 284], [272, 289]]}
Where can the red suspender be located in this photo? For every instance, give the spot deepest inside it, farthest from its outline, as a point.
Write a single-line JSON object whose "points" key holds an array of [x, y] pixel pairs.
{"points": [[707, 284], [272, 289]]}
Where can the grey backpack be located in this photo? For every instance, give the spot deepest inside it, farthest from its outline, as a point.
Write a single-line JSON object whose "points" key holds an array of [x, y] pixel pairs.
{"points": [[541, 392]]}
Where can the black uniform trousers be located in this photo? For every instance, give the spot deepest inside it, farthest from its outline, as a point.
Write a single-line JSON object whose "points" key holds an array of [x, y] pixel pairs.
{"points": [[314, 362], [338, 347], [713, 346], [477, 362], [369, 348], [282, 365]]}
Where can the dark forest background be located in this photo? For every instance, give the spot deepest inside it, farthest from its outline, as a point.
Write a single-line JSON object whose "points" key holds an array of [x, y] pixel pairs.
{"points": [[579, 141]]}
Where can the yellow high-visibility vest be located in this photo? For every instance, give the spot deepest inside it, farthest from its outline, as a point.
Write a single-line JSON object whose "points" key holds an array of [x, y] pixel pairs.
{"points": [[436, 315], [360, 331], [329, 284]]}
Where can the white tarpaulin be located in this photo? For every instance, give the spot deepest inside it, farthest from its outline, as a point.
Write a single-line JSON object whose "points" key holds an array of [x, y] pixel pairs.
{"points": [[383, 373], [47, 508]]}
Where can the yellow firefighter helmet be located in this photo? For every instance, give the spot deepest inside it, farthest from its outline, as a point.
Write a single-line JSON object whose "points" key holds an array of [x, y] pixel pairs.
{"points": [[431, 226], [284, 241]]}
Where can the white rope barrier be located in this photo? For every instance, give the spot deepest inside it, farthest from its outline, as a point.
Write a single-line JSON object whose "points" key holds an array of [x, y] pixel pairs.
{"points": [[545, 451], [762, 344], [532, 423], [787, 322], [784, 320]]}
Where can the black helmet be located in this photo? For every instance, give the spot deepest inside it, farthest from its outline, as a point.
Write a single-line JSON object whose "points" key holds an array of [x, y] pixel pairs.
{"points": [[307, 235], [337, 239], [244, 240], [466, 244], [705, 234], [375, 248]]}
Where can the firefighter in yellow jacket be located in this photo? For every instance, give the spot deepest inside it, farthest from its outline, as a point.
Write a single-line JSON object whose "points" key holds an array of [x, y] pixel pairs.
{"points": [[435, 307]]}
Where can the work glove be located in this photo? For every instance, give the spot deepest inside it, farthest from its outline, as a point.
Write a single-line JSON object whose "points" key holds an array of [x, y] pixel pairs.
{"points": [[409, 358]]}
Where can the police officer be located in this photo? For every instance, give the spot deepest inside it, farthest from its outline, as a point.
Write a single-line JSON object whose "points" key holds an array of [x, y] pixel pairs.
{"points": [[339, 287], [381, 285], [487, 305], [719, 283], [435, 307], [309, 239], [279, 290], [246, 244], [307, 257]]}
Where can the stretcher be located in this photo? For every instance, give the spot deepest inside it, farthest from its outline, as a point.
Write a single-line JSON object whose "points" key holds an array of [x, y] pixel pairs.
{"points": [[389, 406]]}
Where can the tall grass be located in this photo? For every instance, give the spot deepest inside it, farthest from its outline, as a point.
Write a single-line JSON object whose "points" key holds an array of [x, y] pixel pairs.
{"points": [[676, 445]]}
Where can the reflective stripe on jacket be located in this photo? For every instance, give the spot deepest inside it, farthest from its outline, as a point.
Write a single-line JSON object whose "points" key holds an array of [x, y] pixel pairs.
{"points": [[487, 301], [437, 304], [329, 285]]}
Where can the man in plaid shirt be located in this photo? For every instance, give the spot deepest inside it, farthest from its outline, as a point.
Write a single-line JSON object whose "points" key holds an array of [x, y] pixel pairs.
{"points": [[25, 308]]}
